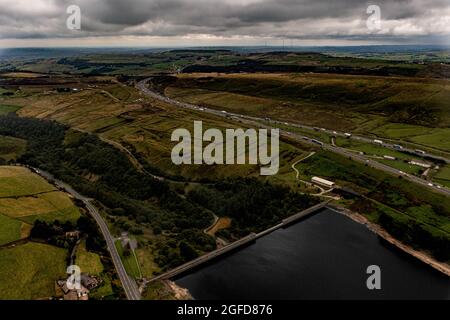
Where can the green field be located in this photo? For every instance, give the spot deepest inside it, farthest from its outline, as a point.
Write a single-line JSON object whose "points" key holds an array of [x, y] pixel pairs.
{"points": [[148, 267], [88, 262], [103, 291], [428, 138], [443, 176], [19, 181], [9, 230], [47, 206], [373, 150], [29, 271], [25, 196]]}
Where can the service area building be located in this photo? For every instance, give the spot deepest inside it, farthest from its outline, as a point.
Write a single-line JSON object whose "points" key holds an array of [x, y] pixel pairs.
{"points": [[322, 182]]}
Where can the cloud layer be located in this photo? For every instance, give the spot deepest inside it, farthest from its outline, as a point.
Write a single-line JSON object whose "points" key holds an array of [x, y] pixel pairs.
{"points": [[226, 19]]}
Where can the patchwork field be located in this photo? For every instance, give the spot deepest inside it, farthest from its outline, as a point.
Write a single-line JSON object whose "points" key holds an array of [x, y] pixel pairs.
{"points": [[28, 271], [25, 197], [19, 181]]}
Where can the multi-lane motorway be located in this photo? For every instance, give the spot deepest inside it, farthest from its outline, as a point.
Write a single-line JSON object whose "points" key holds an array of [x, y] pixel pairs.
{"points": [[268, 123], [128, 284]]}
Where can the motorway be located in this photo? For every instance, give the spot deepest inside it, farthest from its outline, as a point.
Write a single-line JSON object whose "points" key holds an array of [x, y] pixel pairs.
{"points": [[142, 86], [128, 284]]}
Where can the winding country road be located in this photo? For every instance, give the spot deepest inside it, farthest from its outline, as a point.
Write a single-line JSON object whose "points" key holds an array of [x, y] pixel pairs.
{"points": [[129, 285], [259, 122]]}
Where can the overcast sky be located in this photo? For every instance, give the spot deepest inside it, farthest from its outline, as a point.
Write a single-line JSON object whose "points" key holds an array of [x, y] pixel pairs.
{"points": [[222, 22]]}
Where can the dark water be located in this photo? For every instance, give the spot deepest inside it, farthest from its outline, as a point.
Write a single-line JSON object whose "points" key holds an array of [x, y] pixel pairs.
{"points": [[323, 257]]}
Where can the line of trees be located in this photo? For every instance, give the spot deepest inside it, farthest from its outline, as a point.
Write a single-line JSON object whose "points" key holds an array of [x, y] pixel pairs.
{"points": [[253, 205]]}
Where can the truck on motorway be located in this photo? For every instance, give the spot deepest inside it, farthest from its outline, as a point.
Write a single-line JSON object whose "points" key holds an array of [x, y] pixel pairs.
{"points": [[378, 141]]}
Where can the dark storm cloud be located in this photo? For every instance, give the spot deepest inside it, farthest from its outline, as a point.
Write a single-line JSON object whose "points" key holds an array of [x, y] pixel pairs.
{"points": [[251, 18]]}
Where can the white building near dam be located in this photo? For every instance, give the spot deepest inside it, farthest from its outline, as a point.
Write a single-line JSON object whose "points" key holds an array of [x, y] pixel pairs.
{"points": [[322, 182]]}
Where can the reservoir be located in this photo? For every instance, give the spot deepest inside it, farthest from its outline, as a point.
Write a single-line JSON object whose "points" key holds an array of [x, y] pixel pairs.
{"points": [[323, 257]]}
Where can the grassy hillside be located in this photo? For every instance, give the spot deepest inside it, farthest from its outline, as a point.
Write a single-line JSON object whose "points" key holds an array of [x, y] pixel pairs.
{"points": [[10, 230], [26, 197], [19, 181], [401, 108], [144, 126], [29, 271], [88, 262]]}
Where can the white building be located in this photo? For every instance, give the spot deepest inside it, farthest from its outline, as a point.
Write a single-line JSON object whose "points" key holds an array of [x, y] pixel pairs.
{"points": [[322, 182], [420, 164]]}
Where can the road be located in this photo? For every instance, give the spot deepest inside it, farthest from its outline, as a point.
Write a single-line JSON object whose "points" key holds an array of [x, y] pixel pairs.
{"points": [[129, 285], [142, 86]]}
